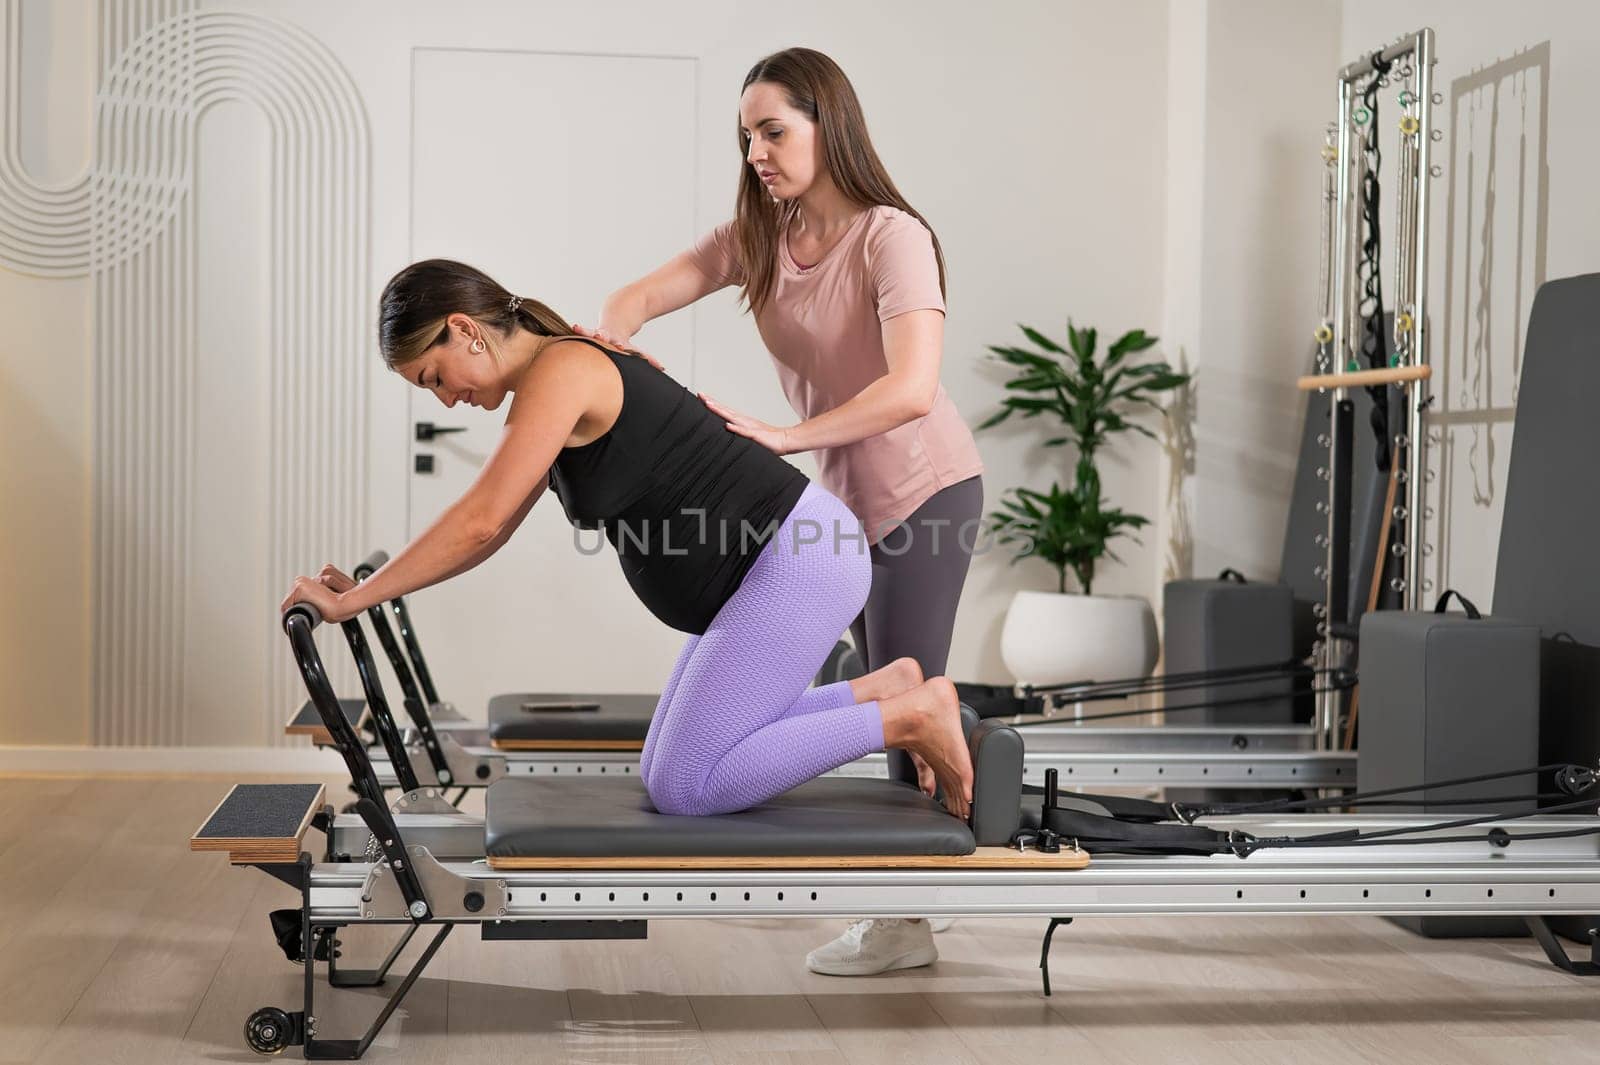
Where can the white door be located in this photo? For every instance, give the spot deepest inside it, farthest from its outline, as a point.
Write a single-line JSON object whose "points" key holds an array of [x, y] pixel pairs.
{"points": [[563, 177]]}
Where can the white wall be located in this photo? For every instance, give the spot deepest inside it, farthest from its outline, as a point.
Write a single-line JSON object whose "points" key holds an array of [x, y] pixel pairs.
{"points": [[1047, 191], [45, 414], [1249, 94]]}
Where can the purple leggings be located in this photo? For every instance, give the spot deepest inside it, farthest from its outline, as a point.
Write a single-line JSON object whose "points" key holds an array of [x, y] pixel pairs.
{"points": [[735, 725]]}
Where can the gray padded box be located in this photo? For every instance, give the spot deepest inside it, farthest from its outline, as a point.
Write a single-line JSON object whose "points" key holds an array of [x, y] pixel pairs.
{"points": [[1445, 696], [1224, 624]]}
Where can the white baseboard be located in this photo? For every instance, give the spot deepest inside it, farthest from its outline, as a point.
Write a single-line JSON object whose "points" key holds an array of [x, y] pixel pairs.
{"points": [[112, 761]]}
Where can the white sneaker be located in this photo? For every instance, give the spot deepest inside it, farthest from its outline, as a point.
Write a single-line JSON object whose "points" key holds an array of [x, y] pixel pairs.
{"points": [[875, 945]]}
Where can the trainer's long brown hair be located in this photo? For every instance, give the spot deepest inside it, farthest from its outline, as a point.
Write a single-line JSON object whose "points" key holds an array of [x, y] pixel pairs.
{"points": [[417, 300], [817, 88]]}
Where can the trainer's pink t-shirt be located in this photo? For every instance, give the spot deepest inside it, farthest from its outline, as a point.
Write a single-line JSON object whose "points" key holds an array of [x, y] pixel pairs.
{"points": [[823, 326]]}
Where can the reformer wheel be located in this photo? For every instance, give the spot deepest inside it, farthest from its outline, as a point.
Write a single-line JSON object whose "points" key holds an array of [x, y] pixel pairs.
{"points": [[267, 1030]]}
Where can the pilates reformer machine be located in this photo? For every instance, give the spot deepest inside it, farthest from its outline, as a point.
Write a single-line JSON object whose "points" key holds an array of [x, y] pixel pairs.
{"points": [[565, 734], [586, 857], [589, 859]]}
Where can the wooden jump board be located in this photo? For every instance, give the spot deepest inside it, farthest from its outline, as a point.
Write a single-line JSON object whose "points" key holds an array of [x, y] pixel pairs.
{"points": [[308, 722], [568, 745], [982, 858], [260, 823]]}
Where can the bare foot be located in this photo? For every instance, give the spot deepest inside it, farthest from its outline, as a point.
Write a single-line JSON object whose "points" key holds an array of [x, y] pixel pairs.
{"points": [[927, 721], [896, 678], [927, 783]]}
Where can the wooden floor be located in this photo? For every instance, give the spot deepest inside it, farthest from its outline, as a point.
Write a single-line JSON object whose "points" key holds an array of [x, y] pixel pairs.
{"points": [[120, 947]]}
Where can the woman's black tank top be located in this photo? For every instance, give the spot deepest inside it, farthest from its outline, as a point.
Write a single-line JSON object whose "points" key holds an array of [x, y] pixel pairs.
{"points": [[687, 504]]}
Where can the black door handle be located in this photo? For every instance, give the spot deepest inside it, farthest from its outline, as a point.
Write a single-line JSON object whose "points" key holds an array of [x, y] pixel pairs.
{"points": [[427, 430]]}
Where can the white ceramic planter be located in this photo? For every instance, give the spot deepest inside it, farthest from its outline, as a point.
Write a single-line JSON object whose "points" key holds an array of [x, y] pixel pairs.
{"points": [[1056, 638]]}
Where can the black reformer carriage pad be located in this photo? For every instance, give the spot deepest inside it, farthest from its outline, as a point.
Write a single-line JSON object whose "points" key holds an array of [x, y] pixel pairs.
{"points": [[611, 817], [620, 717]]}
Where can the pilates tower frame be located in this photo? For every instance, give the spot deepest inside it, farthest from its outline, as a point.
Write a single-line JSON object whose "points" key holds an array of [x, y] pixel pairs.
{"points": [[1338, 337]]}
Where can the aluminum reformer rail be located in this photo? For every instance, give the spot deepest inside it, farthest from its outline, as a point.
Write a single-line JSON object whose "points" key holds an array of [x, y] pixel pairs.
{"points": [[1218, 756], [1472, 876]]}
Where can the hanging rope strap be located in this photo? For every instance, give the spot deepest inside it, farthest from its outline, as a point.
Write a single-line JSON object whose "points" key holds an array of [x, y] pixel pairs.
{"points": [[1374, 339]]}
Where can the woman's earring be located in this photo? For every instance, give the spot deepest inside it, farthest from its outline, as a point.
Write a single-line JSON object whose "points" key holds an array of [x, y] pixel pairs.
{"points": [[477, 346]]}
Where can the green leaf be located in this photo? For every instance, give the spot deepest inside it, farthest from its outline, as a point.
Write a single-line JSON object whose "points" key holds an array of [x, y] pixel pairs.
{"points": [[1093, 399], [1029, 406], [1035, 383], [1076, 339], [1129, 343], [995, 419], [1024, 357], [1135, 392], [1169, 380], [1040, 339]]}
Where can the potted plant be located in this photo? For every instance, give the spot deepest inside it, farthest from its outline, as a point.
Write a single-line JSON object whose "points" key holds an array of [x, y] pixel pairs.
{"points": [[1060, 637]]}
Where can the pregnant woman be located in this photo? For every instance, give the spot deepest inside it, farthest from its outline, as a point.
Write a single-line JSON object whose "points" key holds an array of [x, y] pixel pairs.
{"points": [[718, 537]]}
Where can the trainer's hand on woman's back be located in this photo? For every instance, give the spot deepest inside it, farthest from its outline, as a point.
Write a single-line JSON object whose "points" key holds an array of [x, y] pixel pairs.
{"points": [[605, 336]]}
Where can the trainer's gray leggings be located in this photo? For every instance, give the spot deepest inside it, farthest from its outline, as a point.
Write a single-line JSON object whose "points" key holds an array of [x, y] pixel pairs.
{"points": [[918, 570]]}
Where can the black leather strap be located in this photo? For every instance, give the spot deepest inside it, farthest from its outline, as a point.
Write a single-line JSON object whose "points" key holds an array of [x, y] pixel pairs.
{"points": [[1466, 604]]}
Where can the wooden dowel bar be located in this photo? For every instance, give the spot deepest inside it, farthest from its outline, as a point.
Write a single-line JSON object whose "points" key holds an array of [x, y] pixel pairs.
{"points": [[1394, 375]]}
